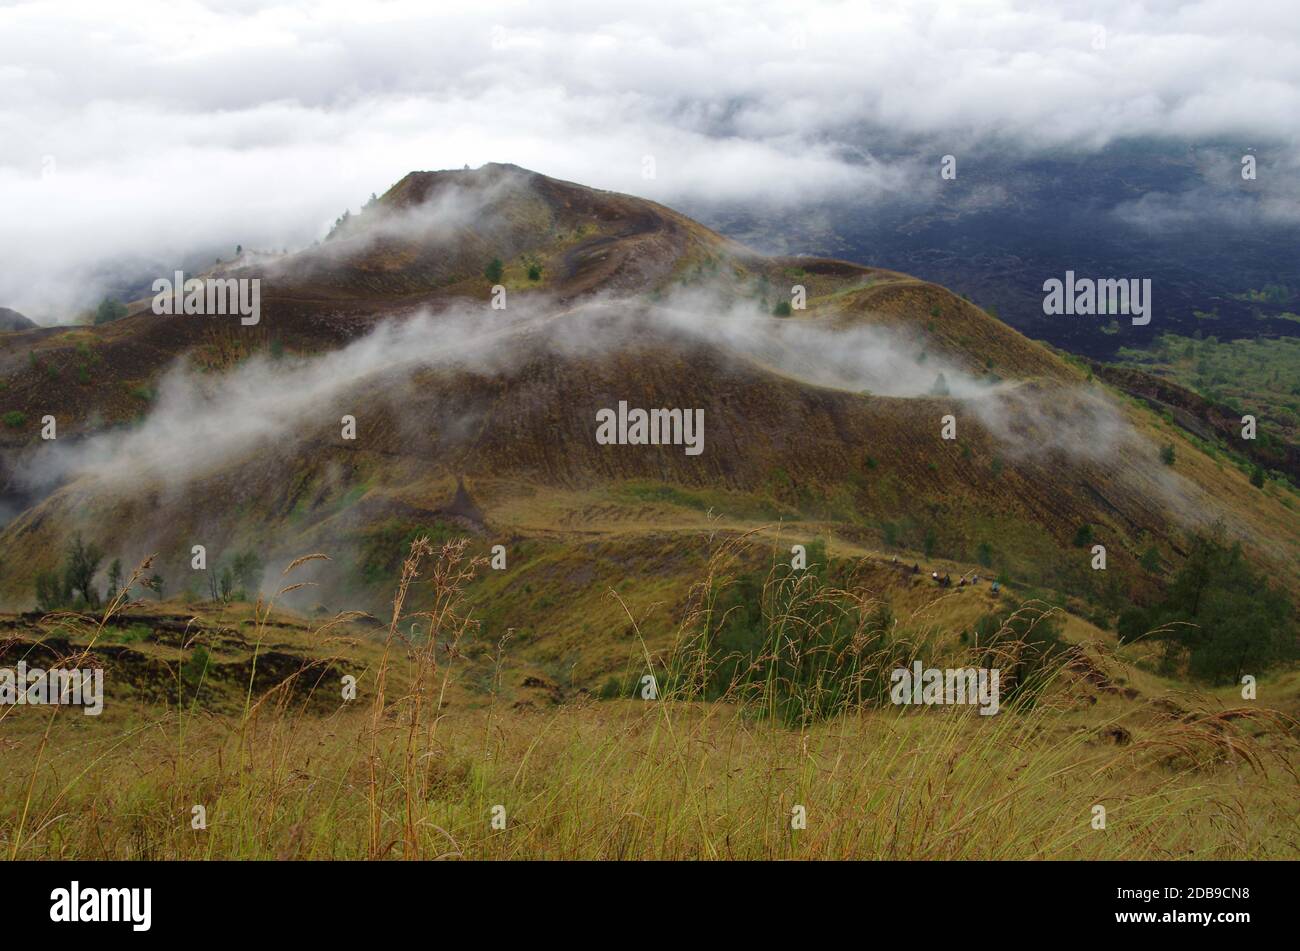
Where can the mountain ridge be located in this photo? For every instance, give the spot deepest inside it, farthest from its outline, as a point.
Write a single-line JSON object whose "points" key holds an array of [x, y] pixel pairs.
{"points": [[390, 321]]}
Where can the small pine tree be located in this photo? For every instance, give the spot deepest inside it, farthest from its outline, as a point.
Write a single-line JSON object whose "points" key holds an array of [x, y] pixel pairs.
{"points": [[494, 270], [1167, 454], [1257, 476]]}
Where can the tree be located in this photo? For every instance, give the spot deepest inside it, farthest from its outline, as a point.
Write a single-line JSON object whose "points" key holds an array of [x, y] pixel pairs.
{"points": [[1257, 476], [155, 584], [494, 270], [534, 272], [1167, 454], [109, 310], [1083, 537], [114, 578], [940, 387], [81, 564], [51, 594], [247, 568], [782, 309], [1228, 616]]}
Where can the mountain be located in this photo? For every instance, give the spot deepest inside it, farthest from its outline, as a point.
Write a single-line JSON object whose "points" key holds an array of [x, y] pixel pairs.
{"points": [[826, 421], [12, 320]]}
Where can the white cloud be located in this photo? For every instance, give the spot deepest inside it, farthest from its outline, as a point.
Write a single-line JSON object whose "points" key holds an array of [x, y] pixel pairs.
{"points": [[178, 127]]}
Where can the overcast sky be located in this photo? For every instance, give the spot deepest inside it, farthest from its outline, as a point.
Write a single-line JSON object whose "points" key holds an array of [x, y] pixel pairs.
{"points": [[137, 131]]}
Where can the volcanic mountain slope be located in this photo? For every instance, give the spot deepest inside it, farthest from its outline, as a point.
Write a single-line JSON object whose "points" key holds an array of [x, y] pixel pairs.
{"points": [[11, 320], [829, 420]]}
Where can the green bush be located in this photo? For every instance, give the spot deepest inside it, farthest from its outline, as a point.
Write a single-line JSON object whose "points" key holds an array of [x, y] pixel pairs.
{"points": [[109, 310], [1228, 618]]}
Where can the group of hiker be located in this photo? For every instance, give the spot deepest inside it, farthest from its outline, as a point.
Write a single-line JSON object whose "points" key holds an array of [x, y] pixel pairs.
{"points": [[945, 580]]}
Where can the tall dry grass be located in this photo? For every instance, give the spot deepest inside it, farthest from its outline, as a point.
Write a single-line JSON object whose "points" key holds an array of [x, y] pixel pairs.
{"points": [[712, 769]]}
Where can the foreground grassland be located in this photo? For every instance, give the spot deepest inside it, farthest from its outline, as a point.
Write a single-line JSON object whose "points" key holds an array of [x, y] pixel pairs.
{"points": [[417, 765]]}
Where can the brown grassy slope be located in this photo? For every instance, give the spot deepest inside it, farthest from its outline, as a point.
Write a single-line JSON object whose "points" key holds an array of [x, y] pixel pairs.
{"points": [[860, 466]]}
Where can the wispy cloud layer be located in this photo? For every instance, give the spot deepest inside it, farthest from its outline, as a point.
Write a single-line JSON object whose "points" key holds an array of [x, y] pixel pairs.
{"points": [[134, 132]]}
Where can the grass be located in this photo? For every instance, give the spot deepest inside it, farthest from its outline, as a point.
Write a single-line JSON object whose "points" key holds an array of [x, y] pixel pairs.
{"points": [[417, 766]]}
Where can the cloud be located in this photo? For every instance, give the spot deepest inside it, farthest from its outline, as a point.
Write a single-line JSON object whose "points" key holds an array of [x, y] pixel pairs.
{"points": [[140, 131], [203, 424]]}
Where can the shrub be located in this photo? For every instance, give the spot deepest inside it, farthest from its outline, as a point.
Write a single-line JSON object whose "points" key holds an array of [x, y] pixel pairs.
{"points": [[1025, 644], [789, 645], [195, 667], [782, 309], [15, 419], [109, 310], [494, 270]]}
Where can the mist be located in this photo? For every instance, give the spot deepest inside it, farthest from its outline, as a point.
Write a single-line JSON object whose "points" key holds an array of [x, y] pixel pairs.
{"points": [[143, 133], [203, 424]]}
